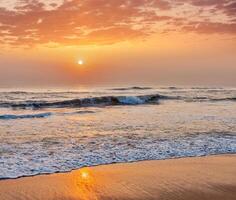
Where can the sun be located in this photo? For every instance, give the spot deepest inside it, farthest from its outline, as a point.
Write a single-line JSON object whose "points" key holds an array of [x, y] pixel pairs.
{"points": [[80, 62]]}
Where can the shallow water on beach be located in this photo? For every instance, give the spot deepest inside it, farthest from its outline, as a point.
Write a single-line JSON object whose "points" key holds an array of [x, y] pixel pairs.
{"points": [[51, 130]]}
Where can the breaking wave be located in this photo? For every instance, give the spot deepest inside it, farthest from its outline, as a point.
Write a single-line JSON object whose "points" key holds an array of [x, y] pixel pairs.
{"points": [[93, 101], [110, 101]]}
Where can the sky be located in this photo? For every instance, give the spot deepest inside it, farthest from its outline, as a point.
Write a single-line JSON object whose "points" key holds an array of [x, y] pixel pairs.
{"points": [[139, 42]]}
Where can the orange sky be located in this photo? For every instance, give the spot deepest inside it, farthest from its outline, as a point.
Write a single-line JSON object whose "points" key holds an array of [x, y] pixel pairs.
{"points": [[166, 42]]}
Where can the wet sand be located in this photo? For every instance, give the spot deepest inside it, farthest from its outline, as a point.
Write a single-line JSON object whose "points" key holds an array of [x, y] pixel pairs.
{"points": [[212, 177]]}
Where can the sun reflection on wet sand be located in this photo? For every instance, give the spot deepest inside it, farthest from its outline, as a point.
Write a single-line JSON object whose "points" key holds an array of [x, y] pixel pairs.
{"points": [[85, 175], [86, 184]]}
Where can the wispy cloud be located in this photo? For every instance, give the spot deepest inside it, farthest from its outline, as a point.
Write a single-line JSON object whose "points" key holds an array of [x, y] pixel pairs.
{"points": [[89, 22]]}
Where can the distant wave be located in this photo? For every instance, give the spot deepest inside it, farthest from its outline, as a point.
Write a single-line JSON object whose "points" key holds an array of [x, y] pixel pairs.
{"points": [[29, 116], [200, 99], [225, 99], [16, 92], [42, 92], [207, 88], [133, 88], [93, 101], [171, 88], [78, 112]]}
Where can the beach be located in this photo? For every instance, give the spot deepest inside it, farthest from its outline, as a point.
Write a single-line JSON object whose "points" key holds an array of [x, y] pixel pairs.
{"points": [[210, 177], [117, 100]]}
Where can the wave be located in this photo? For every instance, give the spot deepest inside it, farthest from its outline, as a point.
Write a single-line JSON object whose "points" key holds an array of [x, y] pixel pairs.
{"points": [[15, 92], [78, 112], [202, 99], [29, 116], [43, 115], [133, 88], [225, 99], [171, 88], [109, 101], [93, 101]]}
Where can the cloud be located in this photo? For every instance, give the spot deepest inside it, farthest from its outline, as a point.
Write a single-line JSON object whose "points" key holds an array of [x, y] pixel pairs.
{"points": [[230, 9], [96, 22], [210, 27], [226, 6]]}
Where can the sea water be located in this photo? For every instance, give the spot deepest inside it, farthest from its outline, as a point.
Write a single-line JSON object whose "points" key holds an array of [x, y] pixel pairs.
{"points": [[57, 130]]}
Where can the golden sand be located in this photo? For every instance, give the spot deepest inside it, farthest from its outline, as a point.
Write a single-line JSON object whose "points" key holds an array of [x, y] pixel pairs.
{"points": [[212, 177]]}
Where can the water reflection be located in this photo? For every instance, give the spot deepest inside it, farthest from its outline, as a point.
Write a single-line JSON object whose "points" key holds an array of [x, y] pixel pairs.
{"points": [[86, 184]]}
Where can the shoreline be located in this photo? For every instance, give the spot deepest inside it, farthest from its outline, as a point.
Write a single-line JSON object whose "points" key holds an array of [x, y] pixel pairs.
{"points": [[206, 177], [114, 163]]}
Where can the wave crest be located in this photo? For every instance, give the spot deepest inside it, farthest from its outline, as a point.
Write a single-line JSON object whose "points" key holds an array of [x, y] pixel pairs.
{"points": [[109, 101], [93, 101]]}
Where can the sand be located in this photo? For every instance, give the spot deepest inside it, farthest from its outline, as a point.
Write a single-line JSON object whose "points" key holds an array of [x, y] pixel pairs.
{"points": [[212, 177]]}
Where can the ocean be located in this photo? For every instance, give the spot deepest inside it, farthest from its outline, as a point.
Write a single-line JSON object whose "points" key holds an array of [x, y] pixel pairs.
{"points": [[59, 129]]}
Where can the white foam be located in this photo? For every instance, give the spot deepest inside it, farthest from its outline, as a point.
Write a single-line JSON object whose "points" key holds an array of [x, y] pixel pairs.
{"points": [[131, 100], [34, 158]]}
